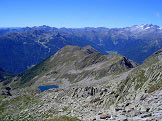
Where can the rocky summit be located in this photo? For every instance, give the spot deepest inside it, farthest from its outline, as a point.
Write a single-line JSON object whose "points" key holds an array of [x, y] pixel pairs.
{"points": [[91, 86]]}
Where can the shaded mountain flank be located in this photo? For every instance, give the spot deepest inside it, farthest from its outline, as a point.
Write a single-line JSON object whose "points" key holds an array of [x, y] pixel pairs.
{"points": [[4, 75]]}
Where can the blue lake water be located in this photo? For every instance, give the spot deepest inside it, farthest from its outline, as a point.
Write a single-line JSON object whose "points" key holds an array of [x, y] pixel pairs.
{"points": [[44, 88]]}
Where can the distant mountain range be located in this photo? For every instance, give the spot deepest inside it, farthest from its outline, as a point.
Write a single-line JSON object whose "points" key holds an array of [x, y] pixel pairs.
{"points": [[22, 48]]}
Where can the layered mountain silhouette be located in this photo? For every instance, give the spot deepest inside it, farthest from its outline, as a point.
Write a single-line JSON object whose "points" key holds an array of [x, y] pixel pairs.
{"points": [[22, 48]]}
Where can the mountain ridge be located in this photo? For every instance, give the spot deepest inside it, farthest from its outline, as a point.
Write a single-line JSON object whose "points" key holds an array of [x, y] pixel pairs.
{"points": [[70, 61]]}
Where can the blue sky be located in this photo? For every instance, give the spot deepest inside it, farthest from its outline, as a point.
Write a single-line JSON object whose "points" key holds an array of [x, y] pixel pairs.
{"points": [[80, 13]]}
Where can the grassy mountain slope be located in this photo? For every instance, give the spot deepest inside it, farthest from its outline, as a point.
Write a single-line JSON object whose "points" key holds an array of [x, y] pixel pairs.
{"points": [[73, 64], [146, 78]]}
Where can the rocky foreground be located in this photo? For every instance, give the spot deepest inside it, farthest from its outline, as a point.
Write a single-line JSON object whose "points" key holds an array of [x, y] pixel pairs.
{"points": [[86, 104], [90, 106]]}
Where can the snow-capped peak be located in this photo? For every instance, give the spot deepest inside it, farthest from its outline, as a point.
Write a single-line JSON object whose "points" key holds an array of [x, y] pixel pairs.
{"points": [[146, 27]]}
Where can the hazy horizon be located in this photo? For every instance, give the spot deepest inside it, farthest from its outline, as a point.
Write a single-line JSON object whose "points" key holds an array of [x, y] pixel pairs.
{"points": [[76, 27]]}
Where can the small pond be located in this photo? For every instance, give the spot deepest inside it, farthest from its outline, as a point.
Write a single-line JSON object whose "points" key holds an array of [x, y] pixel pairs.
{"points": [[47, 87]]}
